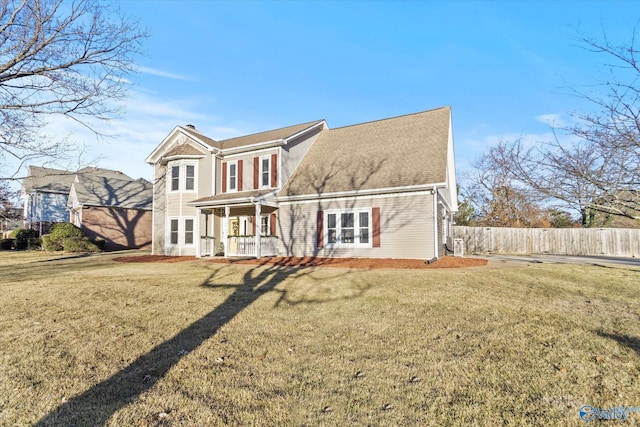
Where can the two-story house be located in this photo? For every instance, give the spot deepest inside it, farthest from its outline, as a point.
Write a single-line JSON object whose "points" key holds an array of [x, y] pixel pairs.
{"points": [[379, 189]]}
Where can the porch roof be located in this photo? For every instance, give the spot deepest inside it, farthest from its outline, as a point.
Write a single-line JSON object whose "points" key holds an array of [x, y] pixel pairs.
{"points": [[235, 198]]}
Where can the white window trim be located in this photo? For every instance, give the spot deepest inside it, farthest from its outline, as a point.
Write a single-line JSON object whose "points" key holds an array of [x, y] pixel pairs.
{"points": [[356, 225], [182, 176], [181, 231], [229, 189], [168, 231], [170, 186], [261, 171], [195, 177]]}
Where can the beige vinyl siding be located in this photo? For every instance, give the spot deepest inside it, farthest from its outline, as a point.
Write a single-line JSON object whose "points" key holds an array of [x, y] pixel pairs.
{"points": [[204, 177], [159, 209], [406, 227], [218, 172], [293, 152], [247, 166]]}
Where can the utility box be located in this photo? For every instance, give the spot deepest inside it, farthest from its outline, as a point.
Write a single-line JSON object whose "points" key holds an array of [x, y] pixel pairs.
{"points": [[458, 247]]}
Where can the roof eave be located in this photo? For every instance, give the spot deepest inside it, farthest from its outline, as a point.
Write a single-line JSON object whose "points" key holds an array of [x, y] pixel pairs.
{"points": [[361, 193], [303, 131], [252, 147], [154, 156]]}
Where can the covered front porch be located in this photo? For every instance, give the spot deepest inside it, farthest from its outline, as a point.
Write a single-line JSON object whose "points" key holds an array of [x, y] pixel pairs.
{"points": [[240, 227]]}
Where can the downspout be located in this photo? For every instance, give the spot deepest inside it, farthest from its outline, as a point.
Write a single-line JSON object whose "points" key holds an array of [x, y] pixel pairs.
{"points": [[435, 223]]}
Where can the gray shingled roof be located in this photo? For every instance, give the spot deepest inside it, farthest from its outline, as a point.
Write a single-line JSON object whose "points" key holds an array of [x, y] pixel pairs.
{"points": [[401, 151], [47, 180], [271, 135], [113, 192], [59, 181], [194, 133]]}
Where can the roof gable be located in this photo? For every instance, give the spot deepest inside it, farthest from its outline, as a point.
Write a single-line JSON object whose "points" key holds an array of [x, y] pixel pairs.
{"points": [[404, 151], [192, 142]]}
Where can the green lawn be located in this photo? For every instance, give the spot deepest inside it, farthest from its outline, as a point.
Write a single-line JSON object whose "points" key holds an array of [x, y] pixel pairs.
{"points": [[89, 341]]}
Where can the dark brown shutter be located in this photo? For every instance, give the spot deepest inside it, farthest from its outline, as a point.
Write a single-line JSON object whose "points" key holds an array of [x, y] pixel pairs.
{"points": [[239, 172], [375, 220], [224, 177], [256, 173], [272, 220], [320, 230], [274, 170]]}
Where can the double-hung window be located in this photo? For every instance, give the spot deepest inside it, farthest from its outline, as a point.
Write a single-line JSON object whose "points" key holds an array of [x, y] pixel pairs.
{"points": [[173, 232], [183, 176], [175, 178], [348, 228], [264, 225], [233, 176], [188, 231], [265, 176], [190, 178], [181, 231]]}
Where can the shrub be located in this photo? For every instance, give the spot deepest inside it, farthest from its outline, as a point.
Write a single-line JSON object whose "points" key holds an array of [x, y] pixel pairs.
{"points": [[6, 244], [99, 243], [61, 230], [75, 244], [66, 236], [49, 245], [34, 243], [22, 236]]}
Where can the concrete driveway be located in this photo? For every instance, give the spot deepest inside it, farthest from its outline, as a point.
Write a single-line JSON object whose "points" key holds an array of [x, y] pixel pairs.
{"points": [[562, 259]]}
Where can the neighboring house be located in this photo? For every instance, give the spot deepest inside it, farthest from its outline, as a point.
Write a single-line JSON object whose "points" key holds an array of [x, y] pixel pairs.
{"points": [[106, 203], [45, 192], [382, 189], [112, 209]]}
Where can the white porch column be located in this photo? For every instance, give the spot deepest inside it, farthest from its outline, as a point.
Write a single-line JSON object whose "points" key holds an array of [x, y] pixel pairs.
{"points": [[225, 229], [257, 236], [197, 236]]}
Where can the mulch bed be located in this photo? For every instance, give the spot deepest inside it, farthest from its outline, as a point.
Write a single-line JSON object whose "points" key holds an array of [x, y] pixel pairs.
{"points": [[363, 263]]}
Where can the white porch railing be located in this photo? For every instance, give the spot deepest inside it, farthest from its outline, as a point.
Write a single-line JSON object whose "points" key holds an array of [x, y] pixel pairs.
{"points": [[207, 246], [246, 245]]}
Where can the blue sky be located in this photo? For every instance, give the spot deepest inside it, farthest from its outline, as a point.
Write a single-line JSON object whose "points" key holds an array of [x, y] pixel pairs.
{"points": [[232, 68]]}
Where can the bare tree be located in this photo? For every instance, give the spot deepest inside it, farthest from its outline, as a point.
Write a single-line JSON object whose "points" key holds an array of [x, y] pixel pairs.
{"points": [[499, 198], [65, 58], [593, 166]]}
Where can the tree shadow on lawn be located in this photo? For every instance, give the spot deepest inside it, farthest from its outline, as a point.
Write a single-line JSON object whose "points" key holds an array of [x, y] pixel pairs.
{"points": [[628, 341], [96, 405]]}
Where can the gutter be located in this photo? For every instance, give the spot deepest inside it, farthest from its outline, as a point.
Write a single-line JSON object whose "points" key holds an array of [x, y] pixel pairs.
{"points": [[367, 192]]}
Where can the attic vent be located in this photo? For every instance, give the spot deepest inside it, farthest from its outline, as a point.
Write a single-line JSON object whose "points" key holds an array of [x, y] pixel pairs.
{"points": [[190, 126]]}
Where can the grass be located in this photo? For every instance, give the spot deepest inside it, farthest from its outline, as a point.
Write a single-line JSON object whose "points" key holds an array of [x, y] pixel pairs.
{"points": [[89, 341]]}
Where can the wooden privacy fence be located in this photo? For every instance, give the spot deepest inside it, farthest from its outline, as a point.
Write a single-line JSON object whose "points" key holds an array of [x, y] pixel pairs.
{"points": [[622, 242]]}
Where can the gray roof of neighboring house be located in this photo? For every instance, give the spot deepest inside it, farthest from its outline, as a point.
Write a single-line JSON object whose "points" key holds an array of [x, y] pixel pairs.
{"points": [[240, 141], [396, 152], [113, 192], [59, 181]]}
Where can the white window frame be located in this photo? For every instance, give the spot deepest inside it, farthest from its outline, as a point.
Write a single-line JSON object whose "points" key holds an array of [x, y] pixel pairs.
{"points": [[356, 228], [181, 231], [172, 167], [182, 176], [262, 172], [266, 218], [186, 177], [235, 187], [170, 231]]}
